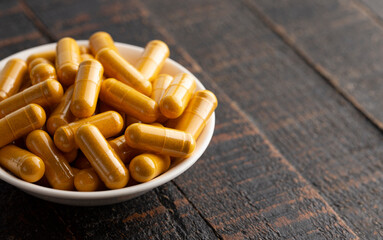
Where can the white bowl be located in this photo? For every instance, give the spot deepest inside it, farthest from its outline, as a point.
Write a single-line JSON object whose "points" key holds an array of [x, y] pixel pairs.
{"points": [[131, 53]]}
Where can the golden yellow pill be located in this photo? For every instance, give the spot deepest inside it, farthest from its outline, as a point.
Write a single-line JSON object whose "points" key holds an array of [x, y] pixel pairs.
{"points": [[151, 61], [67, 60], [100, 40], [61, 115], [21, 122], [11, 77], [57, 169], [123, 150], [177, 96], [199, 110], [86, 88], [45, 94], [117, 67], [48, 55], [42, 72], [102, 157], [87, 180], [147, 166], [86, 56], [109, 123], [160, 84], [128, 100], [22, 163], [36, 62], [84, 49], [160, 140]]}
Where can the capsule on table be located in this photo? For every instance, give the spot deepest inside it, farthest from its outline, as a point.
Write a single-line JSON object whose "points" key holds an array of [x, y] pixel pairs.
{"points": [[160, 84], [87, 180], [151, 61], [198, 112], [42, 72], [22, 163], [160, 140], [109, 123], [48, 55], [57, 169], [62, 114], [21, 122], [102, 157], [86, 56], [11, 77], [128, 100], [177, 96], [123, 150], [147, 166], [100, 40], [117, 67], [67, 60], [45, 94]]}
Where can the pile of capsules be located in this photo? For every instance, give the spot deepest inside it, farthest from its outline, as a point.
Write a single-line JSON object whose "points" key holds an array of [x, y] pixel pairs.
{"points": [[58, 114]]}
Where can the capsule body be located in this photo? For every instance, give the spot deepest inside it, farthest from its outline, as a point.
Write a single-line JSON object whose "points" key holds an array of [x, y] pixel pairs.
{"points": [[21, 122], [36, 62], [48, 55], [11, 77], [22, 163], [100, 40], [45, 94], [57, 169], [67, 60], [123, 150], [102, 157], [86, 88], [147, 166], [161, 140], [117, 67], [177, 96], [109, 123], [87, 180], [41, 72]]}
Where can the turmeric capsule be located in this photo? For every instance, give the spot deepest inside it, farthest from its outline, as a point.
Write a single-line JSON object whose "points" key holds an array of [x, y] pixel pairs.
{"points": [[86, 56], [177, 96], [160, 140], [86, 88], [122, 149], [84, 49], [152, 60], [22, 163], [48, 55], [61, 115], [160, 84], [102, 157], [109, 123], [68, 60], [147, 166], [11, 77], [21, 122], [117, 67], [199, 110], [57, 169], [45, 94], [100, 40], [126, 99], [87, 180], [42, 72], [36, 62]]}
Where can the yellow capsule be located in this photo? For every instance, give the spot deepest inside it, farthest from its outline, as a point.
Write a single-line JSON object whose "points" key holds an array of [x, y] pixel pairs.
{"points": [[177, 96], [109, 123], [117, 67], [123, 150], [87, 180], [45, 94], [22, 163], [86, 56], [68, 60], [160, 84], [160, 140], [36, 62], [147, 166], [21, 122], [151, 61], [84, 49], [61, 115], [71, 156], [199, 110], [86, 88], [100, 40], [42, 72], [48, 55], [57, 169], [11, 77], [82, 162], [102, 157], [126, 99]]}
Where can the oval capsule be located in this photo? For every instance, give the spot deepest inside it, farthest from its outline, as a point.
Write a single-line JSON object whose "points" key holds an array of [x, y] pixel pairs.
{"points": [[22, 163], [48, 55], [41, 71], [102, 157], [67, 60], [160, 84], [109, 123], [57, 169], [160, 140], [117, 67], [100, 40], [45, 94], [177, 96], [87, 180], [11, 77], [123, 150], [86, 88], [153, 58], [36, 62], [147, 166]]}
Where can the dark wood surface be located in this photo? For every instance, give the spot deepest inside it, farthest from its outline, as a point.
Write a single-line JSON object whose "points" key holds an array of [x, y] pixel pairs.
{"points": [[298, 146]]}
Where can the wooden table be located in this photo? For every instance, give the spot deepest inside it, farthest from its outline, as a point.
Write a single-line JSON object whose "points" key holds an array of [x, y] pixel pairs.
{"points": [[298, 147]]}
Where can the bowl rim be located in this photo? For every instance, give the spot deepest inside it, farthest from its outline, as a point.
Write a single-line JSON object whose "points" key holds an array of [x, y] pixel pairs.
{"points": [[176, 170]]}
